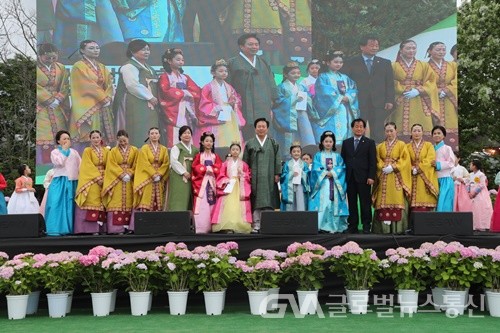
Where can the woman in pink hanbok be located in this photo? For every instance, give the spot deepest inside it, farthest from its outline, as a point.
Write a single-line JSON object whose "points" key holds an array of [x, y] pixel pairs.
{"points": [[232, 212], [205, 169], [482, 209], [460, 175]]}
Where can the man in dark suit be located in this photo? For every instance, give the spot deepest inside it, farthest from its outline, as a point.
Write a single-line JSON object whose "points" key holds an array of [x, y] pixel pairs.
{"points": [[359, 154], [375, 81]]}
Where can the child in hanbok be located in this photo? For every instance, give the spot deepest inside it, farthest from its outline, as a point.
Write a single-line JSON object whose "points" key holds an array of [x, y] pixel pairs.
{"points": [[445, 161], [205, 169], [460, 175], [328, 187], [179, 97], [290, 112], [294, 181], [22, 200], [495, 218], [3, 204], [232, 212], [220, 108], [335, 100], [313, 71], [482, 209]]}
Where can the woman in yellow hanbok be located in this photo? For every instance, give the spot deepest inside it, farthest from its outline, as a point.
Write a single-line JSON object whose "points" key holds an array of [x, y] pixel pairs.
{"points": [[393, 183], [117, 191], [151, 174], [415, 92], [424, 183], [91, 96], [52, 88], [90, 215]]}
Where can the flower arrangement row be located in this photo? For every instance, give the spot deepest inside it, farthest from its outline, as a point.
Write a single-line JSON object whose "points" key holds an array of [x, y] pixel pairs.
{"points": [[212, 268]]}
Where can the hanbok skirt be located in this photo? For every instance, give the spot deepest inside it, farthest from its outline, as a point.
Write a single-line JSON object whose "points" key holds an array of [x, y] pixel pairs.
{"points": [[23, 203], [446, 194], [231, 216], [60, 208], [462, 201], [482, 210], [495, 218]]}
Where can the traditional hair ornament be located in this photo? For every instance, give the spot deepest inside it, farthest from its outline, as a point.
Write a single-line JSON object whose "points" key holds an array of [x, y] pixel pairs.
{"points": [[292, 64], [315, 61], [235, 142], [296, 144], [221, 62], [328, 133], [335, 53]]}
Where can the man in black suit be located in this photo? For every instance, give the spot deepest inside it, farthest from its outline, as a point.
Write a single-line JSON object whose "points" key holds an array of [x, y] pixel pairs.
{"points": [[359, 154], [375, 81]]}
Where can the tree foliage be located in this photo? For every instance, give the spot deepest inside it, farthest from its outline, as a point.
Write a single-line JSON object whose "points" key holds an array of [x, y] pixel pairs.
{"points": [[479, 81], [339, 24]]}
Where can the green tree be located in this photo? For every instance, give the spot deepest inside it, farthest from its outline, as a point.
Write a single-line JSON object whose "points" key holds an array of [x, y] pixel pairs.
{"points": [[479, 81], [18, 116]]}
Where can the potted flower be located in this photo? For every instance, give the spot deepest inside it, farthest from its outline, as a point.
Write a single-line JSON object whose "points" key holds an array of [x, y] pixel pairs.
{"points": [[455, 267], [98, 276], [360, 270], [178, 272], [408, 268], [137, 270], [258, 275], [59, 272], [16, 280], [214, 271], [304, 265], [491, 279]]}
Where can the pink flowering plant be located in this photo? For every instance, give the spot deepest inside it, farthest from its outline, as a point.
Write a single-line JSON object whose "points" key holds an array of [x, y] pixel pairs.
{"points": [[17, 276], [360, 268], [97, 270], [137, 269], [304, 264], [408, 268], [215, 266], [261, 271], [3, 257], [59, 271], [490, 270], [455, 266], [178, 269]]}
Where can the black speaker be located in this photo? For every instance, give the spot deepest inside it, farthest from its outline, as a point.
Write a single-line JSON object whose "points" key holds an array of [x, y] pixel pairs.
{"points": [[441, 223], [289, 223], [164, 223], [22, 226]]}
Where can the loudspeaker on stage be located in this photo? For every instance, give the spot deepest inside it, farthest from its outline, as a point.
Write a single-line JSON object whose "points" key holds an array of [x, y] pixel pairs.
{"points": [[164, 223], [289, 223], [442, 223], [22, 226]]}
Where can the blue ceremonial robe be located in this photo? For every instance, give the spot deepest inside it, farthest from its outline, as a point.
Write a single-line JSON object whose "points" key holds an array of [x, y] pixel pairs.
{"points": [[291, 193]]}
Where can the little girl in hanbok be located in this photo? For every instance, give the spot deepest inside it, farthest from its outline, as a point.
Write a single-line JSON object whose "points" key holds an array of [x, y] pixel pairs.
{"points": [[179, 97], [232, 212], [294, 181], [460, 175], [482, 209], [205, 169], [495, 218], [445, 161], [220, 108], [328, 187], [290, 111], [313, 71], [22, 200]]}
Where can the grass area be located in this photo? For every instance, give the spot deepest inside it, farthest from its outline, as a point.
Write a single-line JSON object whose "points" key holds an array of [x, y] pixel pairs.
{"points": [[237, 318]]}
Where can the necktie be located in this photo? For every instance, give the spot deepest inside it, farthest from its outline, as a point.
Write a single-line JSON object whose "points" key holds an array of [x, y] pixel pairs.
{"points": [[356, 143], [369, 65]]}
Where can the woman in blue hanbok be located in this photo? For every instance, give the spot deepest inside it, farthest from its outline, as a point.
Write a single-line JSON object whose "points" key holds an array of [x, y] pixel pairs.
{"points": [[335, 101], [328, 187]]}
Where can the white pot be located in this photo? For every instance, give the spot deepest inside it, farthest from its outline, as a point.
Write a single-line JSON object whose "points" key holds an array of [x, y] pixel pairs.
{"points": [[408, 300], [112, 304], [493, 302], [33, 300], [101, 303], [214, 302], [16, 306], [177, 301], [70, 300], [357, 301], [454, 301], [139, 302], [272, 303], [437, 298], [258, 301], [224, 298], [57, 305], [150, 301], [308, 301]]}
